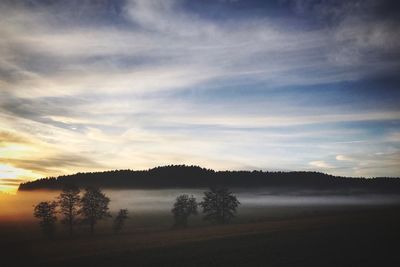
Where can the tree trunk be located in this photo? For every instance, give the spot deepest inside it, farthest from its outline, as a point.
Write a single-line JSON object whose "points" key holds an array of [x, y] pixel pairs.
{"points": [[71, 220], [91, 228], [70, 229]]}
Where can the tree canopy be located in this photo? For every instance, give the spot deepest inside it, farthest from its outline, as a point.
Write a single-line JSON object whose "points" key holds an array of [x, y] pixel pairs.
{"points": [[46, 212], [119, 220], [94, 206], [184, 207], [69, 203], [219, 205]]}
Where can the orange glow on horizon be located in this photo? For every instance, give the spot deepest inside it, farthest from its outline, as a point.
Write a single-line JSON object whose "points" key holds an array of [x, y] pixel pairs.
{"points": [[11, 177]]}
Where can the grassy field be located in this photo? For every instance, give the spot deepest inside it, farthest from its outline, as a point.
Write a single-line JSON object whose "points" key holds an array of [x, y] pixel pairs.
{"points": [[359, 237]]}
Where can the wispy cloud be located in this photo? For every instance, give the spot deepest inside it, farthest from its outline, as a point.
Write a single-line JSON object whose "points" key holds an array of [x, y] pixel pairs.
{"points": [[343, 158], [7, 137], [53, 164], [321, 164], [11, 182]]}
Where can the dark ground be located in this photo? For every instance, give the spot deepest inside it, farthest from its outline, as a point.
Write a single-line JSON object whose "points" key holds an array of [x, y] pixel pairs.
{"points": [[366, 237]]}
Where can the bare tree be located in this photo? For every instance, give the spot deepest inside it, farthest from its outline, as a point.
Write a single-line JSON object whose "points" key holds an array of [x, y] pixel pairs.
{"points": [[69, 202], [184, 207], [46, 213], [94, 206], [219, 205], [119, 220]]}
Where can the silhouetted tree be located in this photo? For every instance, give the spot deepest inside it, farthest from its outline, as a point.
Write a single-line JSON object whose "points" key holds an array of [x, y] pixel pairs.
{"points": [[46, 213], [94, 206], [69, 202], [184, 206], [119, 220], [219, 205]]}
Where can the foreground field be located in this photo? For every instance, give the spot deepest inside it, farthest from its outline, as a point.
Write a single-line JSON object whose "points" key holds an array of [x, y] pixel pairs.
{"points": [[367, 237]]}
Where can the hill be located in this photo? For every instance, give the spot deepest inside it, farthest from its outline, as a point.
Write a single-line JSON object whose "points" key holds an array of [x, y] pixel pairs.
{"points": [[181, 176]]}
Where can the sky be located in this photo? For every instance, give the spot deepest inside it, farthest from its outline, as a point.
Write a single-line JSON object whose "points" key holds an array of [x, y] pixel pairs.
{"points": [[92, 85]]}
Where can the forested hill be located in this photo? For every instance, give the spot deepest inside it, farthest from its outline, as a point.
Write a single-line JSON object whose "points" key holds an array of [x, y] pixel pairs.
{"points": [[181, 176]]}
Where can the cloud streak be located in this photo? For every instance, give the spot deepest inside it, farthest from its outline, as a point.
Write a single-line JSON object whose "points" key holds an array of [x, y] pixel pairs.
{"points": [[52, 165]]}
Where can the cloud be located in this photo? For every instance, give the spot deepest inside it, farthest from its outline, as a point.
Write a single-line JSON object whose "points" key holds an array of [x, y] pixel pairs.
{"points": [[320, 164], [343, 158], [363, 32], [11, 181], [394, 137], [9, 137], [265, 121], [371, 163], [52, 165]]}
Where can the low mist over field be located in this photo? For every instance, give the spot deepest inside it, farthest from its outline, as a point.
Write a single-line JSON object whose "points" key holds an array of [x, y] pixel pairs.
{"points": [[256, 203]]}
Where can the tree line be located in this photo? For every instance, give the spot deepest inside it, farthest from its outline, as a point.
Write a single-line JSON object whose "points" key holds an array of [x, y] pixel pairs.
{"points": [[182, 176], [219, 206]]}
